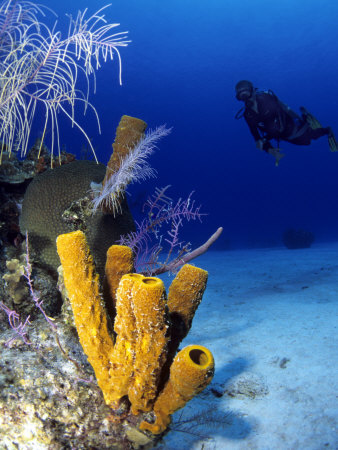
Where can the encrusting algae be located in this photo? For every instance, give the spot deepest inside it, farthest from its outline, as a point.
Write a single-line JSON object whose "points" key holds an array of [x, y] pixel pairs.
{"points": [[137, 363]]}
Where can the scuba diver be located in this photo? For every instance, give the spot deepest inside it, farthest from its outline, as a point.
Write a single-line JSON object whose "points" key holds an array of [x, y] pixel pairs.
{"points": [[268, 118]]}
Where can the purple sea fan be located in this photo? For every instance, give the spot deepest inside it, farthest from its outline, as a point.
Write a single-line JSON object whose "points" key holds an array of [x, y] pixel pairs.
{"points": [[133, 168]]}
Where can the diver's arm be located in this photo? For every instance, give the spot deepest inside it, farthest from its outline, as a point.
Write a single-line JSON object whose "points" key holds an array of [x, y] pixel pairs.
{"points": [[254, 131], [252, 127]]}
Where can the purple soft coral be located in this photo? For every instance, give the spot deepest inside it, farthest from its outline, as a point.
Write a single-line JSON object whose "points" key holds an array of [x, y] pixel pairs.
{"points": [[161, 211]]}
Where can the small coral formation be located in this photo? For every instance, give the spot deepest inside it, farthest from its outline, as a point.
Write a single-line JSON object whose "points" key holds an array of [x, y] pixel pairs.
{"points": [[135, 366], [17, 171], [15, 284], [293, 239]]}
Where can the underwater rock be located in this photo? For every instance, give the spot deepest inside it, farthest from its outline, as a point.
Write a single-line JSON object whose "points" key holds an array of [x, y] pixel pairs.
{"points": [[293, 239], [53, 192]]}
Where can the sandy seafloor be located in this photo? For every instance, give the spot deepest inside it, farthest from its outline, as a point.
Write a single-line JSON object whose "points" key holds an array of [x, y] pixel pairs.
{"points": [[269, 316]]}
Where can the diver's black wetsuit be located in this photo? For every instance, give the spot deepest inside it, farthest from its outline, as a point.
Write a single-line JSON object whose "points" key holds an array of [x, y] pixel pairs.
{"points": [[275, 120]]}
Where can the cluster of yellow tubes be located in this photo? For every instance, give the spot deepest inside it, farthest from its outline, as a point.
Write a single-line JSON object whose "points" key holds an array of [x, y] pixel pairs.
{"points": [[139, 362]]}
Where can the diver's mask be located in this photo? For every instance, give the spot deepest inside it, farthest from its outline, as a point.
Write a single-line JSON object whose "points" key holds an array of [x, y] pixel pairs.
{"points": [[243, 96]]}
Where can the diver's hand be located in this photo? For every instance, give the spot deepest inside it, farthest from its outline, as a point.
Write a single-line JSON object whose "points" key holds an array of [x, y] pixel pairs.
{"points": [[277, 154], [260, 144], [264, 144]]}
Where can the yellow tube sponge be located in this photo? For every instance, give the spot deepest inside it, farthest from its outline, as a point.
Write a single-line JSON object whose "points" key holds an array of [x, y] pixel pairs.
{"points": [[151, 320], [82, 284], [191, 371], [120, 261], [123, 355], [185, 294]]}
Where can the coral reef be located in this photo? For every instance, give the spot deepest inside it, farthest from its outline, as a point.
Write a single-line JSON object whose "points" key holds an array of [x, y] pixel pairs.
{"points": [[50, 194], [46, 403], [135, 367]]}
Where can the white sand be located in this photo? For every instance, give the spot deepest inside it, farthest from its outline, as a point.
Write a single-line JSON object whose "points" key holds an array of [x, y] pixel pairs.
{"points": [[260, 307]]}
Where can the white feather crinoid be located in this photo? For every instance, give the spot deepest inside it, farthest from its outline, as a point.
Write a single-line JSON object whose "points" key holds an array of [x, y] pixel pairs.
{"points": [[133, 168]]}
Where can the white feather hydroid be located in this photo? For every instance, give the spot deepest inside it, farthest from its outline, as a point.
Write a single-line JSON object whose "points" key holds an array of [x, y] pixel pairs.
{"points": [[133, 168]]}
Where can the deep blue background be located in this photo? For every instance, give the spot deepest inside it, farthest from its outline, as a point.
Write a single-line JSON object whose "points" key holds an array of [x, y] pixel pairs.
{"points": [[181, 68]]}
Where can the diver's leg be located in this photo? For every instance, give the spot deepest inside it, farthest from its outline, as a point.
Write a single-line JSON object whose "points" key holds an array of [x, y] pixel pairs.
{"points": [[316, 134], [319, 132]]}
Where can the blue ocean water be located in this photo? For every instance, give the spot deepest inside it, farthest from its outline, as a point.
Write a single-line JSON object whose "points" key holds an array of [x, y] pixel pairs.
{"points": [[181, 68]]}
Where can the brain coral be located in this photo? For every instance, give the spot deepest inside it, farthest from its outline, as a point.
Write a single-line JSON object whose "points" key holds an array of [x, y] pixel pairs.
{"points": [[50, 194]]}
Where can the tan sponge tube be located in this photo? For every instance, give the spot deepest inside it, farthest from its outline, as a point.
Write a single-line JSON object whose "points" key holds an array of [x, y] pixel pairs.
{"points": [[191, 371]]}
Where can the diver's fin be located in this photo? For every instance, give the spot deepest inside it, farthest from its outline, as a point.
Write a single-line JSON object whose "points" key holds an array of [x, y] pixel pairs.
{"points": [[310, 119], [332, 142]]}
